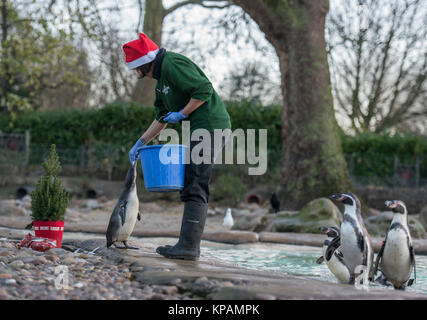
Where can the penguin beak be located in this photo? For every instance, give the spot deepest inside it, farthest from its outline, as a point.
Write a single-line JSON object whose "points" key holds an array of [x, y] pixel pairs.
{"points": [[338, 197], [390, 204], [323, 229]]}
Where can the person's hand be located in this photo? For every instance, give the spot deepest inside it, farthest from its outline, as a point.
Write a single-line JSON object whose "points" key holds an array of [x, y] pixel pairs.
{"points": [[174, 117], [134, 152]]}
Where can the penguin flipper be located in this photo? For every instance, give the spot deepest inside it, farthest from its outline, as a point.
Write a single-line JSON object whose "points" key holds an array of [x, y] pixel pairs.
{"points": [[412, 255], [122, 211], [377, 261], [361, 242], [333, 245], [320, 260], [139, 216]]}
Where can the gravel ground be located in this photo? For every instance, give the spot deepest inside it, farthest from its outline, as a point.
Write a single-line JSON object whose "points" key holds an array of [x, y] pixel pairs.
{"points": [[27, 274]]}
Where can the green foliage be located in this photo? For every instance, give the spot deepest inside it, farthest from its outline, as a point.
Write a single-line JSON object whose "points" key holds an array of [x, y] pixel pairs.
{"points": [[119, 124], [376, 154], [229, 188], [35, 57], [49, 199]]}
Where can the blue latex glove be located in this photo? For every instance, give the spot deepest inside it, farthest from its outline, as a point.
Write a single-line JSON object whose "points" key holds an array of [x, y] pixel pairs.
{"points": [[174, 117], [134, 152]]}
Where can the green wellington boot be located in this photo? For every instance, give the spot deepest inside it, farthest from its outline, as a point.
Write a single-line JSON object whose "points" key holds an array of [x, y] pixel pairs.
{"points": [[193, 223]]}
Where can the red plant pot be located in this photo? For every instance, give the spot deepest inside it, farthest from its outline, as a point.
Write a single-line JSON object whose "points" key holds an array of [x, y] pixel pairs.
{"points": [[50, 229]]}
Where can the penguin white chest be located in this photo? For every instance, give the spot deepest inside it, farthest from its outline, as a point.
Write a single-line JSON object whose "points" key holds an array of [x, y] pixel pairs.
{"points": [[353, 255], [132, 208], [338, 269], [396, 261]]}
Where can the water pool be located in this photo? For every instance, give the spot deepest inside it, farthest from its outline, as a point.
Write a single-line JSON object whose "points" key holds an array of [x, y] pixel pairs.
{"points": [[294, 260]]}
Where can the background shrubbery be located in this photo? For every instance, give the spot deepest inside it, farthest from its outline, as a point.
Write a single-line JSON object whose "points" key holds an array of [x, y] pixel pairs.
{"points": [[118, 125]]}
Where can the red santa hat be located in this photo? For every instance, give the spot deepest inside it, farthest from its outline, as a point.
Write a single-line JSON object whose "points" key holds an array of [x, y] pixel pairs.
{"points": [[140, 51]]}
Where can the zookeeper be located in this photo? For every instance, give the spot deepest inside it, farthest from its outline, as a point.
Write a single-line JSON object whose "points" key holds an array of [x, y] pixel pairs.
{"points": [[183, 92]]}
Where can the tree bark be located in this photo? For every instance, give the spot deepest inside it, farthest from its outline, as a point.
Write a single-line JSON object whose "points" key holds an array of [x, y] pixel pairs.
{"points": [[4, 35], [153, 20], [312, 163]]}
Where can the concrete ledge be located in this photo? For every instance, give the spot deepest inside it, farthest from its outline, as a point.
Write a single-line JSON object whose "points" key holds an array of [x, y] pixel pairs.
{"points": [[242, 283], [233, 237]]}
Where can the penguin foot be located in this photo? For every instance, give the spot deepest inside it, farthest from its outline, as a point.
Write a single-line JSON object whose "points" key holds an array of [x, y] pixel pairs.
{"points": [[117, 247], [129, 247]]}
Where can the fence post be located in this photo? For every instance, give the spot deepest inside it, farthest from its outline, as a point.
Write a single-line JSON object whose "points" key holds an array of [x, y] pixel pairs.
{"points": [[82, 159], [27, 148], [417, 172]]}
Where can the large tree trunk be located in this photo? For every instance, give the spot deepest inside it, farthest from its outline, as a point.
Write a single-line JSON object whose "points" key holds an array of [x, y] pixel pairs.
{"points": [[312, 164], [153, 21]]}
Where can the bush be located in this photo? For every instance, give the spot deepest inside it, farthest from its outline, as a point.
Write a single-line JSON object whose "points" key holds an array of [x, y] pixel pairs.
{"points": [[375, 153], [228, 188], [49, 199], [119, 124]]}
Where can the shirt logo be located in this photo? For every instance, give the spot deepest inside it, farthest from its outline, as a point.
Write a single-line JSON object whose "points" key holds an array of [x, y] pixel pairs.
{"points": [[165, 89]]}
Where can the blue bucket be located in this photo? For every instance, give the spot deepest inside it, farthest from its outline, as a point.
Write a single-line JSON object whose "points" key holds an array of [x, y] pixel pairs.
{"points": [[163, 167]]}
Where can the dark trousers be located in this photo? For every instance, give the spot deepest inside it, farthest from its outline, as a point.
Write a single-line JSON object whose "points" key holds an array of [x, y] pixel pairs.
{"points": [[198, 176]]}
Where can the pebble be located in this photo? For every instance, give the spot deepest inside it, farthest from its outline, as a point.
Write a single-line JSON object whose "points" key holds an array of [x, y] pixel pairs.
{"points": [[158, 296], [28, 274], [170, 290], [264, 296], [69, 260], [16, 264], [3, 294], [35, 260], [175, 281], [52, 258], [57, 251], [227, 284]]}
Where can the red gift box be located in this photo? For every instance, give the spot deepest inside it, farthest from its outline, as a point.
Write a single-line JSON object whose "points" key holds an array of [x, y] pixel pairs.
{"points": [[39, 244]]}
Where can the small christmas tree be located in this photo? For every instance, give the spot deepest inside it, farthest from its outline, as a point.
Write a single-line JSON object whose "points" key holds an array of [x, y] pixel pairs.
{"points": [[49, 199]]}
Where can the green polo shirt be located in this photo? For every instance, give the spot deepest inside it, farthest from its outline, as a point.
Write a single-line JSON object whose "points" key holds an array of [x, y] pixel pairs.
{"points": [[181, 79]]}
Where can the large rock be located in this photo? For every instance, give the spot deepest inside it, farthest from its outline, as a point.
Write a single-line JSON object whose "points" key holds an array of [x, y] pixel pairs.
{"points": [[9, 208], [319, 212], [378, 225], [254, 222]]}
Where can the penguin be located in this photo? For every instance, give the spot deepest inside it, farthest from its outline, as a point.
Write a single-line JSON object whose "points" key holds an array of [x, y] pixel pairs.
{"points": [[333, 256], [275, 203], [228, 219], [397, 256], [125, 213], [355, 242]]}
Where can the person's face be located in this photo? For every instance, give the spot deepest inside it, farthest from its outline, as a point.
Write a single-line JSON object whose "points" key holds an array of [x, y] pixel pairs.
{"points": [[142, 72]]}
